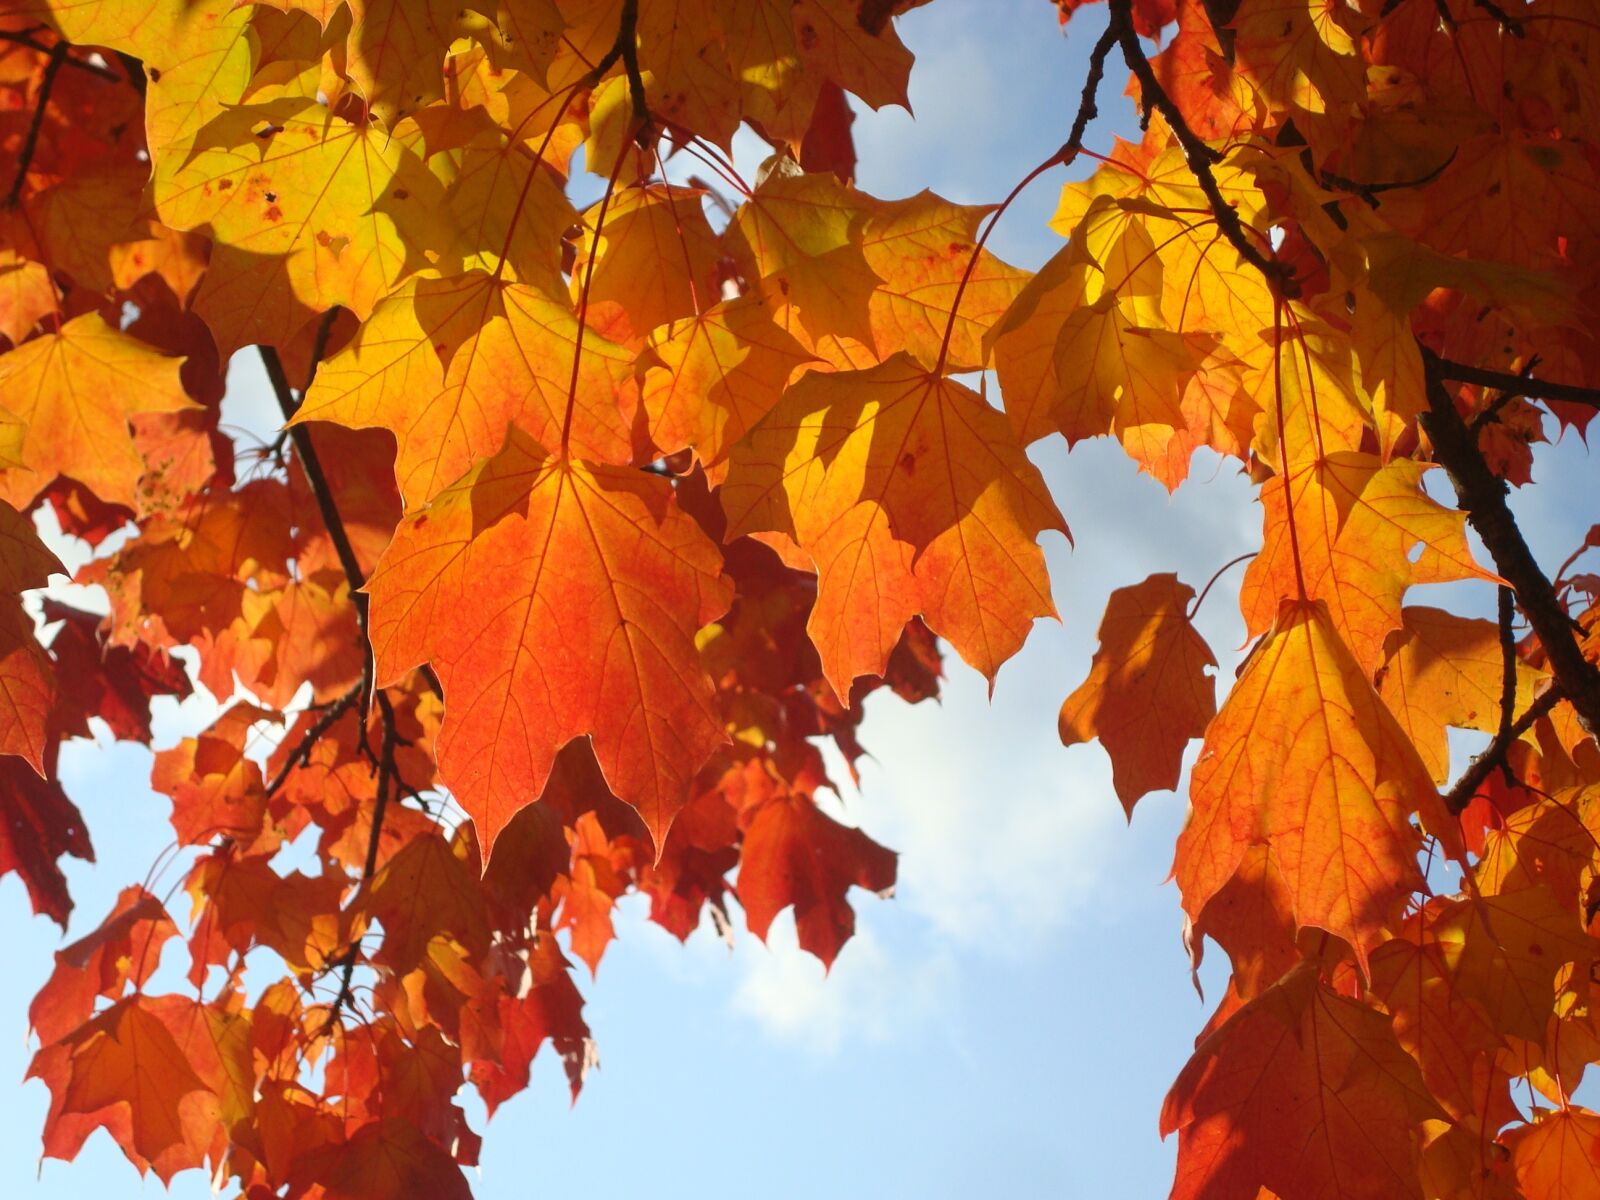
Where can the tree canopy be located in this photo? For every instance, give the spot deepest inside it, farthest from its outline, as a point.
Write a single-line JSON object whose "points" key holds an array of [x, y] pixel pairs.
{"points": [[592, 520]]}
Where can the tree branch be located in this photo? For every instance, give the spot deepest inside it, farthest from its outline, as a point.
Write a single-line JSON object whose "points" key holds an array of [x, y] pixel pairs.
{"points": [[1494, 754], [25, 38], [1201, 157], [300, 435], [1507, 602], [626, 49], [1482, 496], [386, 776], [1517, 385], [1088, 108], [30, 142], [302, 752]]}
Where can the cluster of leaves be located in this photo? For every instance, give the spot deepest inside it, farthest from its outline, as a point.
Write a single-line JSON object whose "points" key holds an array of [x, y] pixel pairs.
{"points": [[590, 523], [503, 470]]}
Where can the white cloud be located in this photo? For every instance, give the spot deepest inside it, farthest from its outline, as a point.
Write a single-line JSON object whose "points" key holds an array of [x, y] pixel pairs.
{"points": [[870, 994]]}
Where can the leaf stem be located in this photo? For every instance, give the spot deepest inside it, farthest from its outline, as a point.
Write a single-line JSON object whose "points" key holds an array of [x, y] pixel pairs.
{"points": [[1087, 111], [1216, 575], [583, 305]]}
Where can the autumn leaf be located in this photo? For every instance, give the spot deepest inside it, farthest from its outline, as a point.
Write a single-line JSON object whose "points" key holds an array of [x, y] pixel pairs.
{"points": [[306, 211], [1319, 773], [124, 1072], [1504, 952], [720, 372], [1364, 533], [1148, 692], [604, 584], [1302, 1091], [449, 365], [899, 484], [795, 854], [74, 391], [803, 235], [125, 948], [1444, 670], [425, 891], [38, 826]]}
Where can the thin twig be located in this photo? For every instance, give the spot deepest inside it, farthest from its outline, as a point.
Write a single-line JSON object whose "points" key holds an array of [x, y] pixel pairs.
{"points": [[301, 755], [1494, 754], [1508, 23], [334, 523], [386, 775], [30, 143], [1088, 107]]}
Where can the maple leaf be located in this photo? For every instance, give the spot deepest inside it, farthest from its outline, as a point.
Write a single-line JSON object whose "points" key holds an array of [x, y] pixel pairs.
{"points": [[425, 891], [449, 365], [38, 825], [122, 1071], [27, 688], [1302, 1091], [1504, 951], [603, 585], [1444, 670], [389, 1159], [1558, 1157], [124, 949], [306, 211], [1320, 774], [74, 391], [803, 235], [1363, 533], [907, 489], [720, 372], [796, 854], [216, 788], [655, 261], [1148, 692]]}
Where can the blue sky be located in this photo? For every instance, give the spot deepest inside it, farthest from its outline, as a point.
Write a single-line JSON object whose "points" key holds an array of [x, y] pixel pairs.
{"points": [[1008, 1023]]}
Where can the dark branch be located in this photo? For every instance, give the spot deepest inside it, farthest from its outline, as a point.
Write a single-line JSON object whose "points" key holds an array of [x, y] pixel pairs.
{"points": [[1507, 601], [1508, 23], [301, 754], [1482, 496], [24, 37], [30, 142], [1201, 157], [1088, 108], [626, 50], [1494, 754], [300, 435], [1517, 385], [386, 776]]}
